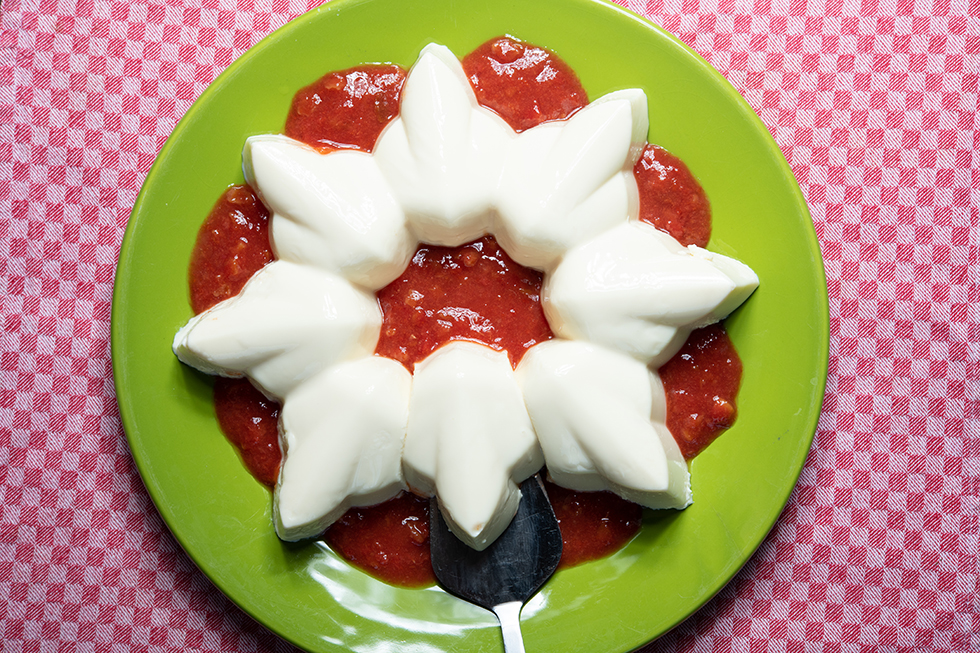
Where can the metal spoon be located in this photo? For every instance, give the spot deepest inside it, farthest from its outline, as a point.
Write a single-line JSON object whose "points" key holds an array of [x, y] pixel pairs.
{"points": [[508, 572]]}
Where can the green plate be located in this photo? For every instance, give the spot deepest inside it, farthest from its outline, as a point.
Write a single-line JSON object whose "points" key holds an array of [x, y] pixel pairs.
{"points": [[304, 593]]}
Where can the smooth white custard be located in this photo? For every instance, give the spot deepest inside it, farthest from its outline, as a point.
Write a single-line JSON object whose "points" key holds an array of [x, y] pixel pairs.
{"points": [[559, 197], [470, 441], [332, 212], [637, 290], [566, 182], [600, 418], [444, 153], [289, 323], [342, 435]]}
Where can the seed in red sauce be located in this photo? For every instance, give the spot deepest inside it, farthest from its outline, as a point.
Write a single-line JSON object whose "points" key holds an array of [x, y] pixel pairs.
{"points": [[346, 109], [524, 84], [671, 199], [506, 50], [250, 420], [232, 245], [701, 382]]}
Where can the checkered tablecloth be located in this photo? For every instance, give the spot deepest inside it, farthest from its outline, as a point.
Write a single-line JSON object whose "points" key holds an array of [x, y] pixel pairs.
{"points": [[874, 104]]}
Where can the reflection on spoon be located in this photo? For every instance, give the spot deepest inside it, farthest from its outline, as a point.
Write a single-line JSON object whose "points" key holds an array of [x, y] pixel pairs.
{"points": [[510, 571]]}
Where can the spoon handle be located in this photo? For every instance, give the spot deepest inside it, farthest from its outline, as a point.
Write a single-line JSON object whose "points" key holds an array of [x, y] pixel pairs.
{"points": [[509, 615]]}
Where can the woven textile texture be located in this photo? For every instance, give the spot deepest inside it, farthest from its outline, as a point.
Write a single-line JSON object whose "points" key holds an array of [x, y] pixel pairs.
{"points": [[874, 104]]}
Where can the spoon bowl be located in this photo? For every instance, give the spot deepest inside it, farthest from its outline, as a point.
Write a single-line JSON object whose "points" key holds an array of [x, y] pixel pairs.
{"points": [[511, 570]]}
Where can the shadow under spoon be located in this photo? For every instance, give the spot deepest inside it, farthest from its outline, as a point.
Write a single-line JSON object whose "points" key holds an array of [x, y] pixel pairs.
{"points": [[510, 571]]}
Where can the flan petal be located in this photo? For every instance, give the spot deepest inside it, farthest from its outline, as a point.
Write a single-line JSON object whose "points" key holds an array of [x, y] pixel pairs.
{"points": [[332, 211], [599, 416], [566, 182], [289, 323], [443, 155], [470, 441], [637, 290], [341, 434]]}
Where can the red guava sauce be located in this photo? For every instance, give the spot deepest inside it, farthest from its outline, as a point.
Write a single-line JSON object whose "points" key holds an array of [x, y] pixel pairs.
{"points": [[593, 524], [251, 422], [701, 382], [671, 199], [232, 245], [389, 541], [347, 108], [473, 292], [524, 84]]}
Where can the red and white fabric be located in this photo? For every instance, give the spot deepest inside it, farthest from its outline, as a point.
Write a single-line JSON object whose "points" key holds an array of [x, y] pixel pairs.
{"points": [[874, 104]]}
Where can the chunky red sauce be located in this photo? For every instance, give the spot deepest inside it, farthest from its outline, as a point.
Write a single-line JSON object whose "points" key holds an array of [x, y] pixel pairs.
{"points": [[390, 540], [671, 199], [251, 422], [346, 109], [474, 292], [232, 245], [701, 382], [524, 84], [593, 524]]}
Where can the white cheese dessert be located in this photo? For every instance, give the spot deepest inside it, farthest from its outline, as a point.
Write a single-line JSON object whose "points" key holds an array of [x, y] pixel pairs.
{"points": [[600, 418], [341, 434], [637, 290], [470, 440], [560, 197]]}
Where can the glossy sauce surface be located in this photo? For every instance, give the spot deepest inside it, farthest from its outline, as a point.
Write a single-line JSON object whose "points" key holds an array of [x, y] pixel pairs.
{"points": [[526, 85], [232, 245], [251, 422], [346, 109], [671, 199], [390, 540], [701, 382], [474, 292], [593, 524]]}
